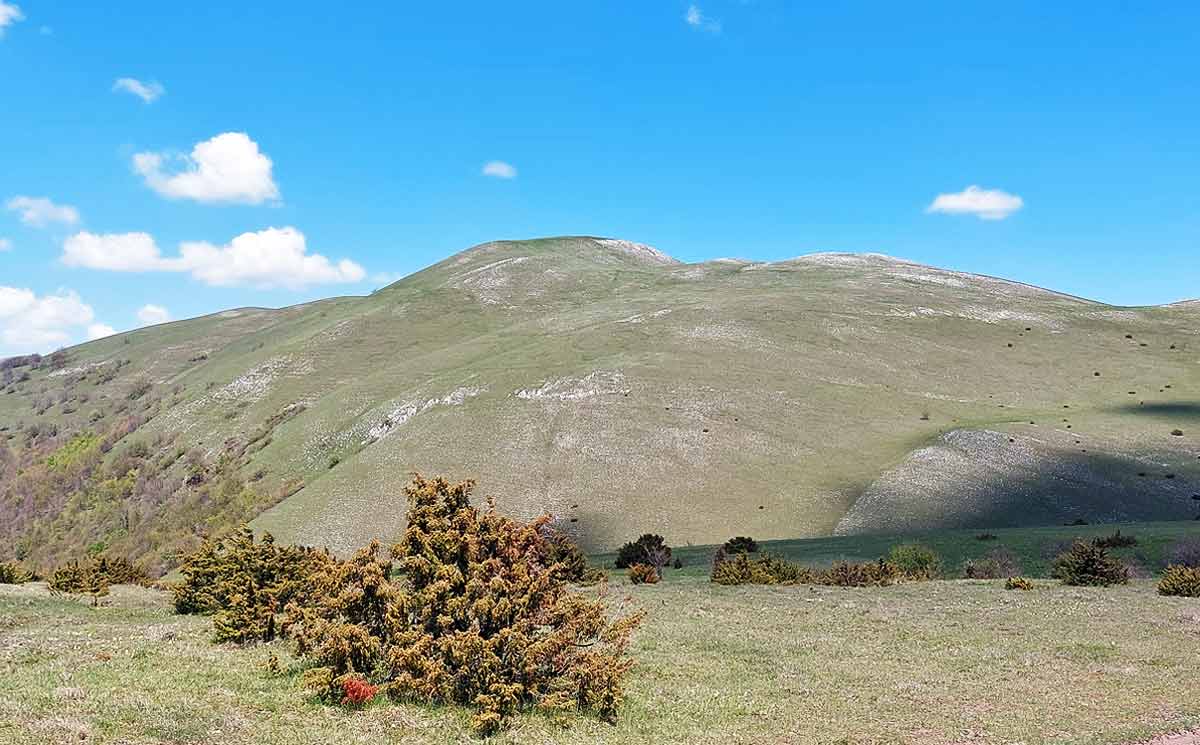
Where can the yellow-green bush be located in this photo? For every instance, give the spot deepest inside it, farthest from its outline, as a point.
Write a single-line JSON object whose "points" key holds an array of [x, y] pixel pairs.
{"points": [[481, 614], [246, 583], [1017, 583], [744, 569], [868, 574], [11, 573], [1180, 581]]}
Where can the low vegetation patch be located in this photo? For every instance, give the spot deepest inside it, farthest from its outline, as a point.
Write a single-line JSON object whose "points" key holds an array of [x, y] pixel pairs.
{"points": [[745, 569], [12, 573], [1180, 581], [1018, 583], [1116, 540]]}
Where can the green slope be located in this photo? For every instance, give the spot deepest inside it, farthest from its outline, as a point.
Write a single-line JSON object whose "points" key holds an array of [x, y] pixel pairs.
{"points": [[625, 392]]}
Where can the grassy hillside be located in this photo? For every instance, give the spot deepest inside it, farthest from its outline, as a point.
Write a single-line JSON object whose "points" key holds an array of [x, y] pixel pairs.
{"points": [[623, 392], [936, 662]]}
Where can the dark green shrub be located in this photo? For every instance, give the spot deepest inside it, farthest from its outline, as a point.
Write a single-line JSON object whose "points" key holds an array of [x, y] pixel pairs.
{"points": [[648, 549], [1018, 583], [996, 564], [741, 545], [1089, 564], [1180, 581], [1116, 540], [916, 561], [985, 537], [643, 574]]}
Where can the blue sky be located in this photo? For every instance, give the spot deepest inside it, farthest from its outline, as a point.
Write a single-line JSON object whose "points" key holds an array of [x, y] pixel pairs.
{"points": [[762, 129]]}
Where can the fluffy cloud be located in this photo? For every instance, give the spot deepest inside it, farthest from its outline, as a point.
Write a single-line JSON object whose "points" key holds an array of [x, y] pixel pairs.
{"points": [[9, 14], [148, 92], [499, 169], [40, 211], [5, 245], [697, 20], [29, 322], [99, 331], [152, 314], [229, 169], [275, 257], [117, 252], [986, 204]]}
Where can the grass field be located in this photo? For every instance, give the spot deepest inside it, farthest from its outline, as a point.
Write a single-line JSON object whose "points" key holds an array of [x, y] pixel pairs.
{"points": [[942, 663], [1034, 547]]}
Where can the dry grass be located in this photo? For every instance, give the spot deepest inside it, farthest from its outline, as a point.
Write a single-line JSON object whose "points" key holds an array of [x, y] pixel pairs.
{"points": [[941, 662]]}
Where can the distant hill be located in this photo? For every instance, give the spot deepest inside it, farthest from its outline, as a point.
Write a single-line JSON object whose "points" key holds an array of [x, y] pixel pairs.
{"points": [[624, 392]]}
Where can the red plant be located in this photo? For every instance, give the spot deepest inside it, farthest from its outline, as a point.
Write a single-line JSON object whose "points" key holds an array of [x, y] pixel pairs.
{"points": [[356, 691]]}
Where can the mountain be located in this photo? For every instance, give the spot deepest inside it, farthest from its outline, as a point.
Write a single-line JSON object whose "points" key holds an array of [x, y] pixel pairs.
{"points": [[624, 392]]}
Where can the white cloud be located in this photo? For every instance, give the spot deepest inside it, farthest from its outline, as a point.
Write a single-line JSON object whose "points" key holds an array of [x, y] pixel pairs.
{"points": [[152, 314], [499, 169], [697, 20], [274, 257], [986, 204], [5, 245], [117, 252], [29, 322], [40, 211], [229, 168], [99, 331], [148, 92], [9, 14]]}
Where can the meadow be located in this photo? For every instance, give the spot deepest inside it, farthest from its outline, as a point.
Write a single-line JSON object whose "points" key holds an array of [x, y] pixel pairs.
{"points": [[945, 662]]}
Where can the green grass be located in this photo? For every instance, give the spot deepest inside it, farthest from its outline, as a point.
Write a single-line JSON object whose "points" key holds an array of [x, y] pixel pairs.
{"points": [[1030, 545], [939, 662]]}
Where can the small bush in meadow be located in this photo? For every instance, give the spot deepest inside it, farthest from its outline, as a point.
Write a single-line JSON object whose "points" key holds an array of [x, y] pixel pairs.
{"points": [[744, 569], [741, 545], [916, 561], [1180, 581], [1018, 583], [246, 583], [1089, 564], [649, 549], [643, 574], [879, 573], [985, 537], [996, 564], [1116, 540], [11, 573]]}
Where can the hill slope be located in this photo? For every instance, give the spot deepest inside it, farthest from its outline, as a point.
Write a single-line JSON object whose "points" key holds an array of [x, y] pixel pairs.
{"points": [[625, 392]]}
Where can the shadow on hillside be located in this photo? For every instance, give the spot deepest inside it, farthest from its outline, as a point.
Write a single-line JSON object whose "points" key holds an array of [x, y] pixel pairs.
{"points": [[992, 491], [1188, 409]]}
